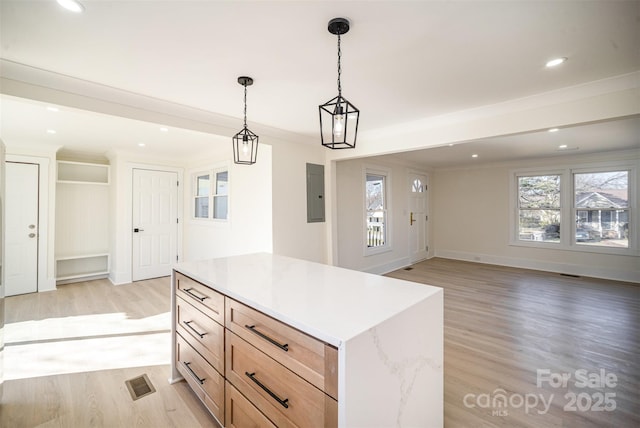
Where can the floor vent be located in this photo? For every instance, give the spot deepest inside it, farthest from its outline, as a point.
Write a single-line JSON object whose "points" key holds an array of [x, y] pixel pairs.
{"points": [[569, 275], [139, 387], [408, 268]]}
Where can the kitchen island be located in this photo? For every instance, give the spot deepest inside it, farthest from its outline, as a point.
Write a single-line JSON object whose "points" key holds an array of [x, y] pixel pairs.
{"points": [[285, 342]]}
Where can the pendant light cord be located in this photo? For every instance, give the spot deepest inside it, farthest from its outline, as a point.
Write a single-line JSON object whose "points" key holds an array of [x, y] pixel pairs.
{"points": [[339, 68], [245, 105]]}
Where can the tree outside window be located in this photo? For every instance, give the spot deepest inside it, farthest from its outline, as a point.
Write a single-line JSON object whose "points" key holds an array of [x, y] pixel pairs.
{"points": [[588, 208], [539, 206]]}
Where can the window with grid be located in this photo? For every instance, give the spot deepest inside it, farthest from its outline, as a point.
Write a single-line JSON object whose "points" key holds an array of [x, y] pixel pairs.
{"points": [[601, 208], [376, 210], [539, 208], [211, 194], [582, 208]]}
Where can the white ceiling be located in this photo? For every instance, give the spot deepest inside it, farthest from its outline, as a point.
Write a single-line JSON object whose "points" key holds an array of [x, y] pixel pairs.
{"points": [[402, 61]]}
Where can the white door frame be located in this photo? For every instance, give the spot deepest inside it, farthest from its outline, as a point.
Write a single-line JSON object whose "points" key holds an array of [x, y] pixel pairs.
{"points": [[427, 228], [125, 233], [46, 216], [149, 272]]}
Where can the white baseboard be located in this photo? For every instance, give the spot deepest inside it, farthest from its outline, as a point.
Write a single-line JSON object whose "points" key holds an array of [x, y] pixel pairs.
{"points": [[565, 268], [388, 267], [120, 278], [48, 284], [81, 279]]}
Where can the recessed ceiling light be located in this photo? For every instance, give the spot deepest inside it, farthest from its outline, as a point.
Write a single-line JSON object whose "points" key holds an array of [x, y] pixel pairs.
{"points": [[474, 155], [141, 144], [52, 108], [554, 130], [72, 5], [556, 62], [562, 146], [164, 129], [51, 131], [450, 144]]}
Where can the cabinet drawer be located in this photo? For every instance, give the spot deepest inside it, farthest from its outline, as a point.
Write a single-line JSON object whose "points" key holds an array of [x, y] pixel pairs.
{"points": [[202, 297], [203, 334], [207, 383], [240, 413], [310, 358], [283, 396]]}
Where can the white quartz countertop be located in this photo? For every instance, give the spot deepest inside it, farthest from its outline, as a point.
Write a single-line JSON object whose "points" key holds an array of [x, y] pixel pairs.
{"points": [[331, 303]]}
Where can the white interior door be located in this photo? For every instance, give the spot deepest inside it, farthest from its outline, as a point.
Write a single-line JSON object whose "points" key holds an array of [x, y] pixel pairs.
{"points": [[155, 228], [418, 249], [21, 245]]}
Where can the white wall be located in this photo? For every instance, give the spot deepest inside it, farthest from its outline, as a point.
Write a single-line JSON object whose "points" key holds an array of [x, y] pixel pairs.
{"points": [[593, 101], [248, 228], [292, 235], [470, 215], [267, 207], [351, 219], [2, 232]]}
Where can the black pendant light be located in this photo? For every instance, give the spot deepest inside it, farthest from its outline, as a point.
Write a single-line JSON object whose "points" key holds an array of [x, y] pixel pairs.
{"points": [[245, 142], [338, 117]]}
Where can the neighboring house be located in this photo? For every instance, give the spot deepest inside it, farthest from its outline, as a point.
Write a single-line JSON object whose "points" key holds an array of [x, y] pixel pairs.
{"points": [[605, 212]]}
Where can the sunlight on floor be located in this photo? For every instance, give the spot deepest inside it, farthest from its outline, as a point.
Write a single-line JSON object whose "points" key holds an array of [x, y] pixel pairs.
{"points": [[85, 343]]}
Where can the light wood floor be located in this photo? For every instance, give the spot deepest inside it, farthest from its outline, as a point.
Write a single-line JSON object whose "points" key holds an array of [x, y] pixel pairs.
{"points": [[501, 325], [121, 328]]}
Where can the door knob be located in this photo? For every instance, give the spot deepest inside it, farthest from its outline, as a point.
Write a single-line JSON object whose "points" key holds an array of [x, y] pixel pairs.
{"points": [[137, 229], [411, 220], [32, 235]]}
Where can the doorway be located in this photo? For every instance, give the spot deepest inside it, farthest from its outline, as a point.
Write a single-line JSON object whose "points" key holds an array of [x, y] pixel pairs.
{"points": [[155, 223], [418, 217], [22, 228]]}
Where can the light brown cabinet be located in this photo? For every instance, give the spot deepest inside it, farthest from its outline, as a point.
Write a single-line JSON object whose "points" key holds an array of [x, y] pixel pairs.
{"points": [[309, 358], [249, 369], [240, 413]]}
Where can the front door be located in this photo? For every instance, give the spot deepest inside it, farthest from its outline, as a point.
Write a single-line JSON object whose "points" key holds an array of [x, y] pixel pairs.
{"points": [[155, 228], [418, 249], [21, 256]]}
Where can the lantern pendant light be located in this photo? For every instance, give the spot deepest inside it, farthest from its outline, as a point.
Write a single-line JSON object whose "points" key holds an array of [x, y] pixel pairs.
{"points": [[338, 117], [245, 142]]}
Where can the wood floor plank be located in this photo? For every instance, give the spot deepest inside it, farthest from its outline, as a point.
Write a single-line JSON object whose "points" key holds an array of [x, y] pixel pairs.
{"points": [[95, 398], [503, 324]]}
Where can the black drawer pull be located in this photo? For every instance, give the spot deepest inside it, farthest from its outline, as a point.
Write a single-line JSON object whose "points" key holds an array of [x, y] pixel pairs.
{"points": [[201, 381], [195, 296], [283, 403], [188, 324], [252, 328]]}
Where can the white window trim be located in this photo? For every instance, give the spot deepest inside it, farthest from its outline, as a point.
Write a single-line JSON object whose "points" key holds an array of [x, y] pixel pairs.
{"points": [[211, 171], [567, 209], [213, 194], [386, 172]]}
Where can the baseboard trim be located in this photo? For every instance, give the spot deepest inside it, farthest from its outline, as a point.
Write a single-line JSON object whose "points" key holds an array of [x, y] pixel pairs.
{"points": [[119, 279], [47, 285], [563, 268], [388, 267], [80, 279]]}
